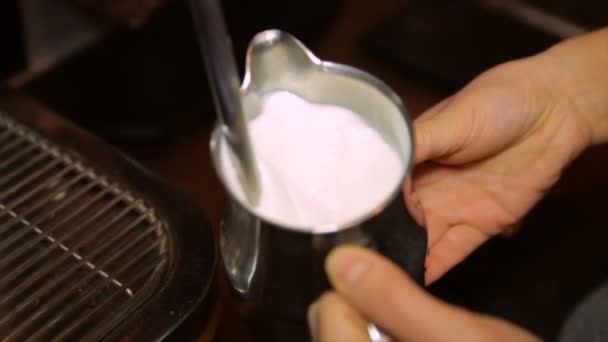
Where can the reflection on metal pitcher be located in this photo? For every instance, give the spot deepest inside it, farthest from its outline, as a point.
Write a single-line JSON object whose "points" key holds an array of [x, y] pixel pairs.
{"points": [[240, 247]]}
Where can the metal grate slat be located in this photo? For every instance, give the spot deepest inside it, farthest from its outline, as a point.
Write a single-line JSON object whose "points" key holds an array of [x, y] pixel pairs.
{"points": [[112, 321], [14, 156], [59, 297], [22, 248], [50, 268], [4, 135], [12, 143], [78, 251], [31, 162], [41, 235]]}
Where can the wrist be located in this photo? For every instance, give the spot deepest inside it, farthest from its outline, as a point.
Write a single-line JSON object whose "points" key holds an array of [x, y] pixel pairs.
{"points": [[578, 71]]}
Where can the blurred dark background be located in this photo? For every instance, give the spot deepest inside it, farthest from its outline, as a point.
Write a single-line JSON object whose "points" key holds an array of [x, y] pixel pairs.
{"points": [[147, 83], [140, 85]]}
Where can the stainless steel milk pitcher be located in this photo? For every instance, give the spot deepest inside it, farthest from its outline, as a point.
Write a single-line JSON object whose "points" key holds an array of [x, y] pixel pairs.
{"points": [[276, 271]]}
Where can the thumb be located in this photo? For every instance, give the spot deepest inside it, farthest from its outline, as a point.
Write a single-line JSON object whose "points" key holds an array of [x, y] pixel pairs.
{"points": [[441, 131], [384, 295]]}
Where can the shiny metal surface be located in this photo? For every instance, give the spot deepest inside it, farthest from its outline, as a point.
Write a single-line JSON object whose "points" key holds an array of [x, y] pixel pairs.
{"points": [[223, 77], [277, 271], [537, 18], [90, 244], [74, 245], [376, 335]]}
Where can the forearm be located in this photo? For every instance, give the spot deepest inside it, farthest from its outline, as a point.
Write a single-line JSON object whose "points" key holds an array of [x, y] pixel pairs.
{"points": [[578, 68]]}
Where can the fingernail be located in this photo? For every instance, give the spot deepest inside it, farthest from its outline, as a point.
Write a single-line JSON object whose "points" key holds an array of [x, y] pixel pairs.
{"points": [[346, 265], [313, 321]]}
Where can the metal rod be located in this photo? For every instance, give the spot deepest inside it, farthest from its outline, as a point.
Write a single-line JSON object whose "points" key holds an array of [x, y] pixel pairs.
{"points": [[112, 321], [108, 233], [15, 156], [45, 234], [24, 197], [24, 167], [36, 276], [537, 18], [12, 143], [31, 177], [222, 72], [9, 208], [6, 133], [59, 297]]}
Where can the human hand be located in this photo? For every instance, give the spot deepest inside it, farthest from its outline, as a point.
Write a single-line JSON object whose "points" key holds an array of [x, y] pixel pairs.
{"points": [[487, 155], [369, 288]]}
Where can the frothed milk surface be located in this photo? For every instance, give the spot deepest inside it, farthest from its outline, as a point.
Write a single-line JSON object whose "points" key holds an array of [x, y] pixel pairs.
{"points": [[318, 164]]}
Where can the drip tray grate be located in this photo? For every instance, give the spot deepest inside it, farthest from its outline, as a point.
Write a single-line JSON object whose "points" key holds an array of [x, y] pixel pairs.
{"points": [[78, 252]]}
